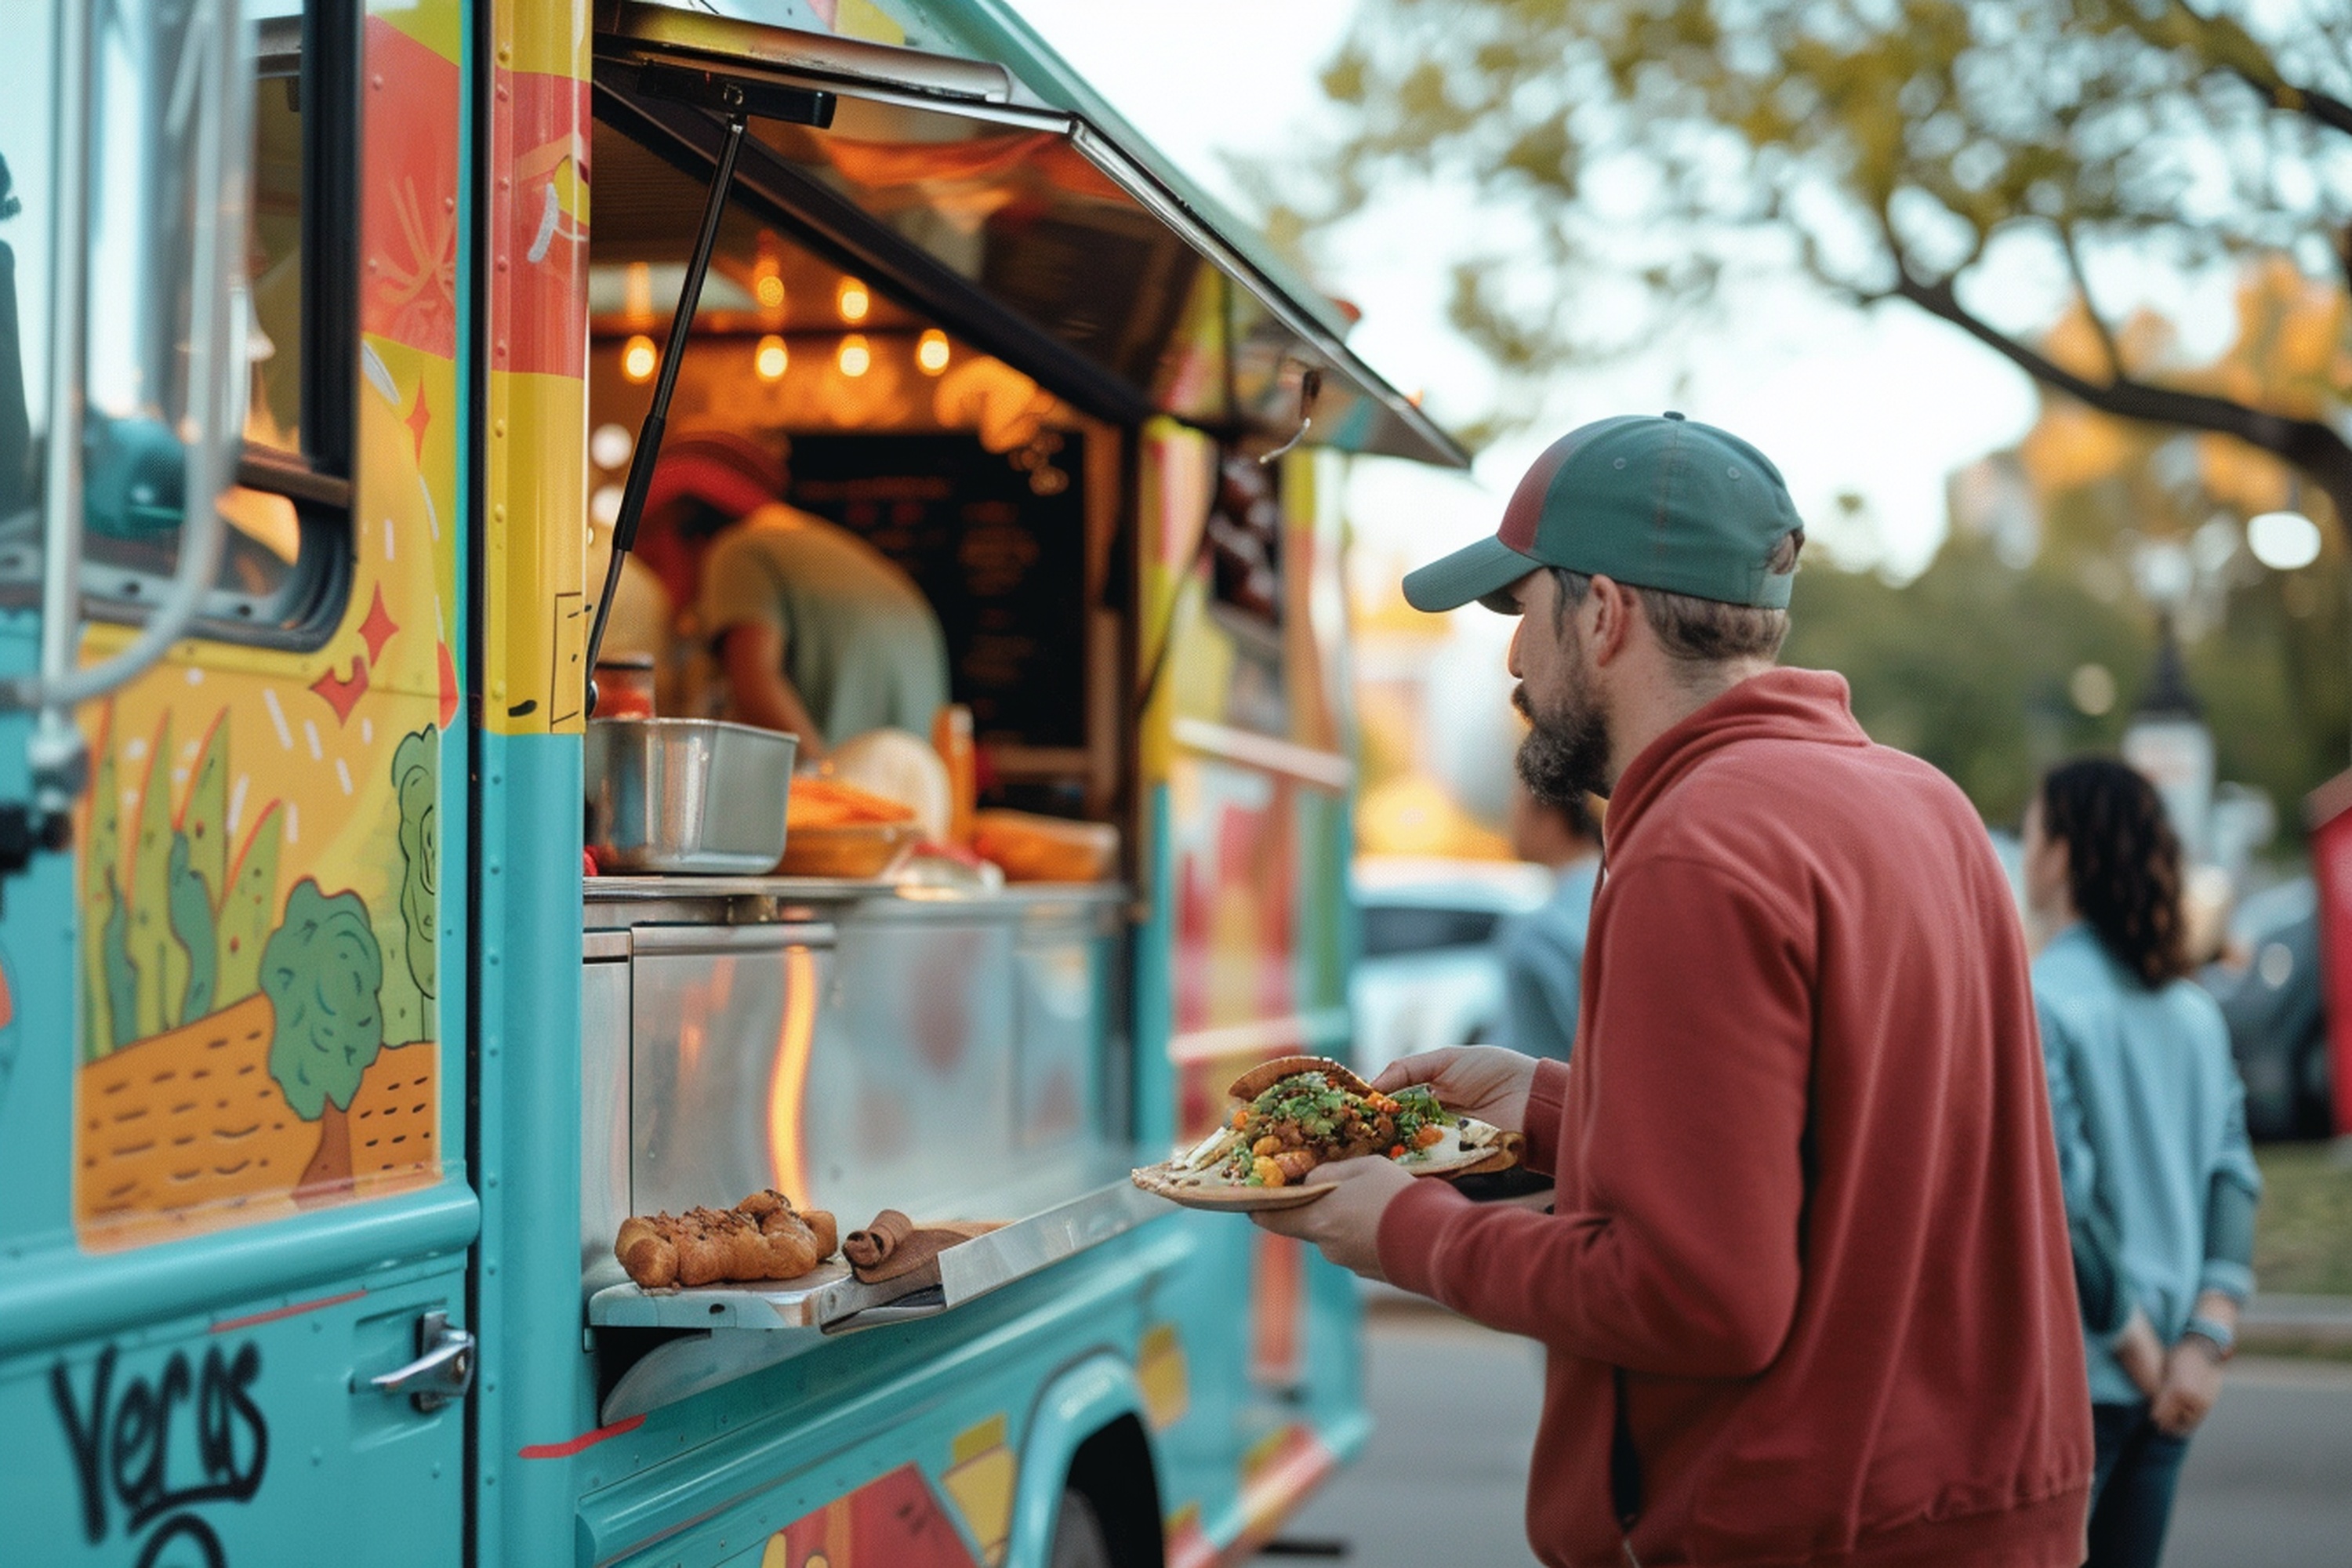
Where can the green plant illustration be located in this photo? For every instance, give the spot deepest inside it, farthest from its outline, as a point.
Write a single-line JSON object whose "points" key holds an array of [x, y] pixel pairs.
{"points": [[192, 924], [103, 959], [416, 784], [323, 971], [175, 931], [248, 907], [117, 982], [156, 955], [204, 821]]}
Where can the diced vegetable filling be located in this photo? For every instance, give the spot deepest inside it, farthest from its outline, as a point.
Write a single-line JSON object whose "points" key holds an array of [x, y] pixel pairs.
{"points": [[1306, 1120]]}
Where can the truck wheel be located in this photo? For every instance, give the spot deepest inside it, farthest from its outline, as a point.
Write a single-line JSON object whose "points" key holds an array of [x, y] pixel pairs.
{"points": [[1079, 1538]]}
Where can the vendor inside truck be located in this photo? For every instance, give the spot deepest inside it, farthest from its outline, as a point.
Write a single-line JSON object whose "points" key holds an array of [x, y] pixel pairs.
{"points": [[817, 633]]}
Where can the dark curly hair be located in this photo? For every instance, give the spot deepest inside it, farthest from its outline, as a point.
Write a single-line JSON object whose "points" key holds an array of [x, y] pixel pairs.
{"points": [[2123, 863]]}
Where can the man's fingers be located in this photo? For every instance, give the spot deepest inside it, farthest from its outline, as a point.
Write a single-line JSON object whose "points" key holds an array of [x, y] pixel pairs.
{"points": [[1413, 1070], [1338, 1171], [1290, 1222]]}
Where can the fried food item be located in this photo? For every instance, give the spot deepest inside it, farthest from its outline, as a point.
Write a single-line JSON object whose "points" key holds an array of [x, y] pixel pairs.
{"points": [[762, 1237], [829, 803]]}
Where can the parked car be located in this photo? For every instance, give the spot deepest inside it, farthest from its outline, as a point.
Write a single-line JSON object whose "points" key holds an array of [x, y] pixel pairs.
{"points": [[1430, 974], [2268, 988]]}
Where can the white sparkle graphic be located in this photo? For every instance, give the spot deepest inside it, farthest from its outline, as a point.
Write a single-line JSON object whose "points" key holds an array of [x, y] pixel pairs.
{"points": [[276, 716], [311, 734], [342, 775]]}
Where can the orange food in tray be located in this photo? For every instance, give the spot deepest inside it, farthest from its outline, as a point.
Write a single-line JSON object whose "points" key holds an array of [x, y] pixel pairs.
{"points": [[829, 803]]}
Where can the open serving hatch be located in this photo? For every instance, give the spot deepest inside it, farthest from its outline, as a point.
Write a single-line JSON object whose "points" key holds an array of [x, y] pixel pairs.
{"points": [[1043, 237]]}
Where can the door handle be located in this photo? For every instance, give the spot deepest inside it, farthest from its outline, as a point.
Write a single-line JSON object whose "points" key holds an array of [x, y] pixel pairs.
{"points": [[443, 1369]]}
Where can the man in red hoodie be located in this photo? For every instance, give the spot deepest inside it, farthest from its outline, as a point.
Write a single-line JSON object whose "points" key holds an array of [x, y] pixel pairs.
{"points": [[1805, 1285]]}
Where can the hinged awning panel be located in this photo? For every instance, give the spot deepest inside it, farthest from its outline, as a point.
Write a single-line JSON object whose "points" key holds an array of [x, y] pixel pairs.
{"points": [[1046, 216]]}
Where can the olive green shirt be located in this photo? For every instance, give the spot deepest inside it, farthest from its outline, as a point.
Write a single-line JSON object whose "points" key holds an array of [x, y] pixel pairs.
{"points": [[861, 645]]}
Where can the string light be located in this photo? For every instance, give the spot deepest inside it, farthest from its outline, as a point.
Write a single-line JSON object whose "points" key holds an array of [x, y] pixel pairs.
{"points": [[770, 358], [770, 290], [638, 358], [852, 299], [856, 357], [932, 352]]}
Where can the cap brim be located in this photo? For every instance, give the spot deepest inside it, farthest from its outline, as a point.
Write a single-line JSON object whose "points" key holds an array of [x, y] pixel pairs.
{"points": [[1475, 571]]}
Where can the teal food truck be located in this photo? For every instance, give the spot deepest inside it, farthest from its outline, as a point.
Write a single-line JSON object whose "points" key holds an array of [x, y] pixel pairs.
{"points": [[332, 1055]]}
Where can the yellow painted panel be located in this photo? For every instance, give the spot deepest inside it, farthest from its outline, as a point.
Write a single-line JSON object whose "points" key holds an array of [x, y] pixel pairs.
{"points": [[535, 553], [865, 19], [1160, 1367], [982, 1489], [545, 36], [438, 25], [974, 1441]]}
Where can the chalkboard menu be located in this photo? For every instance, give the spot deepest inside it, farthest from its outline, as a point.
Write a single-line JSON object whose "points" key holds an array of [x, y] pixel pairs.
{"points": [[997, 544]]}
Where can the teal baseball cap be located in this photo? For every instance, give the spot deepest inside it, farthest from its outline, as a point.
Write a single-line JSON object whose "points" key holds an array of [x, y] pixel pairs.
{"points": [[1653, 502]]}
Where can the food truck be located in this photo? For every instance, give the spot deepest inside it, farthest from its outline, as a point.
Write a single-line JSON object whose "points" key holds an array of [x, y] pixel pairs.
{"points": [[330, 334]]}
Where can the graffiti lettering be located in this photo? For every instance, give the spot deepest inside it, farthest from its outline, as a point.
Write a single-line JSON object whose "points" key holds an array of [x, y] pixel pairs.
{"points": [[123, 1444]]}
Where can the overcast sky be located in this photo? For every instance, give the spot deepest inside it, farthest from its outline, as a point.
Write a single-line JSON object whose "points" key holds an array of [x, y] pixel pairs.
{"points": [[1885, 405]]}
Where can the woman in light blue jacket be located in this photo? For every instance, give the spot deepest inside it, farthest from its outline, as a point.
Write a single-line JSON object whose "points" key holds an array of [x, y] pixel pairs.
{"points": [[2150, 1120]]}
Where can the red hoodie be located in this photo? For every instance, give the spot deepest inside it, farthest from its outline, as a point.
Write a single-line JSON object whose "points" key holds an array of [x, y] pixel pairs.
{"points": [[1808, 1217]]}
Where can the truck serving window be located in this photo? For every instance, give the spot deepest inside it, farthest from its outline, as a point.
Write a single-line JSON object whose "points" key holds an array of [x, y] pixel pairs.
{"points": [[284, 566]]}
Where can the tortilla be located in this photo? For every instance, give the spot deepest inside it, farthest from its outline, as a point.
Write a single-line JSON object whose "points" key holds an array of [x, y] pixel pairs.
{"points": [[1193, 1179]]}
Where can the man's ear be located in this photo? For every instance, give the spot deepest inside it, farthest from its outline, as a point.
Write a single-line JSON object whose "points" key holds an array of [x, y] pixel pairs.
{"points": [[1613, 610]]}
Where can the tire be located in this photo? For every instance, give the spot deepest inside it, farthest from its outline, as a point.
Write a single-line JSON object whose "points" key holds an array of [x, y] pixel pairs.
{"points": [[1079, 1538]]}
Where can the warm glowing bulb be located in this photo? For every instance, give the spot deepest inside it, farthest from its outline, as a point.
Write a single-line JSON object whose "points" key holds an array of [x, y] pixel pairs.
{"points": [[770, 358], [770, 289], [856, 358], [638, 358], [852, 299], [932, 352]]}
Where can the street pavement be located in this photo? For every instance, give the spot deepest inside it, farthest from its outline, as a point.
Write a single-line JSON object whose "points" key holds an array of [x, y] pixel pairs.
{"points": [[2268, 1485]]}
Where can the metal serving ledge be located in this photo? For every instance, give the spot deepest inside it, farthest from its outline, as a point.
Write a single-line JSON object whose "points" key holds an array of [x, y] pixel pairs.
{"points": [[746, 1328], [611, 902]]}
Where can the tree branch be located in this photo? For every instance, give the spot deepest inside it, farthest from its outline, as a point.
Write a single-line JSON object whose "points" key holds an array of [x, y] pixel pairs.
{"points": [[2308, 444], [2091, 306]]}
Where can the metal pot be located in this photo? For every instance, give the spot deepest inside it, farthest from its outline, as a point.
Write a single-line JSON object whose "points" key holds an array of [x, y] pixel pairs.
{"points": [[687, 796]]}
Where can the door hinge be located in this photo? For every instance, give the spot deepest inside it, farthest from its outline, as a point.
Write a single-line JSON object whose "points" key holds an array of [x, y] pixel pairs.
{"points": [[443, 1369]]}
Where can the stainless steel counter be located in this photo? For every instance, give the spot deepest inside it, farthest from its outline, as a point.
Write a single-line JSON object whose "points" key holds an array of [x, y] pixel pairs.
{"points": [[858, 1046], [611, 904]]}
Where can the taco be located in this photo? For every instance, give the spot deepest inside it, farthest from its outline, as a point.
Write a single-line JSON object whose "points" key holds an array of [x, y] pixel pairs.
{"points": [[1292, 1115]]}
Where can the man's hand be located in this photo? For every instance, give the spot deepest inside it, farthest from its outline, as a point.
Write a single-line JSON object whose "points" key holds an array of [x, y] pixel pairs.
{"points": [[2192, 1381], [1485, 1081], [1345, 1223], [2141, 1355]]}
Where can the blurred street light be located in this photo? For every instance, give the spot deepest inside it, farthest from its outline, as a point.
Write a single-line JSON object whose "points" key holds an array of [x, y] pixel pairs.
{"points": [[2284, 541]]}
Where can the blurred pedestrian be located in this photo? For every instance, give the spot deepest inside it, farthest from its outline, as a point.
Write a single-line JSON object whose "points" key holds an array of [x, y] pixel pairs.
{"points": [[2151, 1126], [1543, 949], [1806, 1289]]}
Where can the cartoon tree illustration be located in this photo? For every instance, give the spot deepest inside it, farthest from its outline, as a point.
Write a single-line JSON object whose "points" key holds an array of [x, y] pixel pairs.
{"points": [[323, 971]]}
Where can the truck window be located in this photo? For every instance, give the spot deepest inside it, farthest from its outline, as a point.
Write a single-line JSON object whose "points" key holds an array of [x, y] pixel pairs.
{"points": [[285, 563]]}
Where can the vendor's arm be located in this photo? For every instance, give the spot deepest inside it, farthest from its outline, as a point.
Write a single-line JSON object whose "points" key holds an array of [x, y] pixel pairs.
{"points": [[1682, 1258], [754, 654]]}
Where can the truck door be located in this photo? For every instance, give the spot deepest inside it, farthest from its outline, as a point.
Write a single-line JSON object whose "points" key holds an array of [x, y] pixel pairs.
{"points": [[233, 1264]]}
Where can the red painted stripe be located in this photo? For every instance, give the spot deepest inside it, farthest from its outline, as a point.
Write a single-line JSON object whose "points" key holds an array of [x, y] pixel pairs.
{"points": [[585, 1440], [230, 1325]]}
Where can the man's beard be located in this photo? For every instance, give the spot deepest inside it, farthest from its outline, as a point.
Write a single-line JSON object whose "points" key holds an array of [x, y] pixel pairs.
{"points": [[1566, 754]]}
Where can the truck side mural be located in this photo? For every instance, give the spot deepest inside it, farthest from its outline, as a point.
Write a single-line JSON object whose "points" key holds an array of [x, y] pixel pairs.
{"points": [[259, 850]]}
